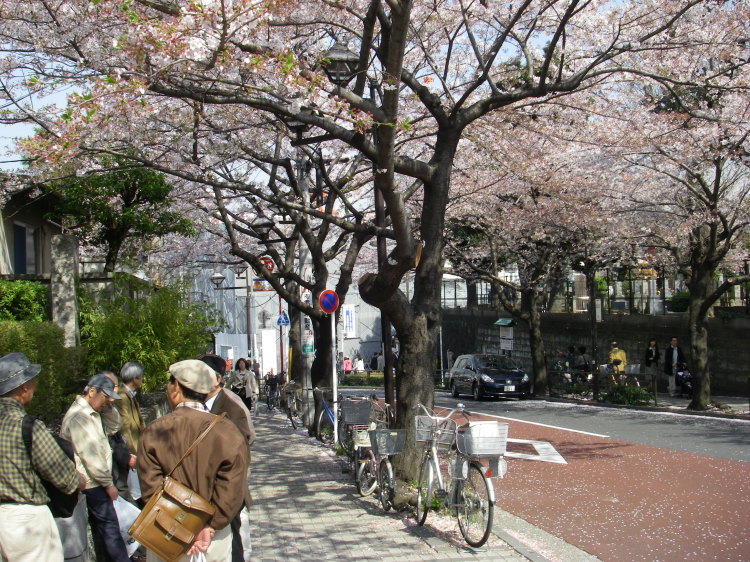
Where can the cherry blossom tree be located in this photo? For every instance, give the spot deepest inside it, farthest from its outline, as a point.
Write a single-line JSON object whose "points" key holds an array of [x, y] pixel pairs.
{"points": [[150, 70], [688, 160], [537, 200]]}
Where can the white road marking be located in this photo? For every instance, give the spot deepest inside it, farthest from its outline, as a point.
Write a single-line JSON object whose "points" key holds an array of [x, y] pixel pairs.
{"points": [[545, 452], [545, 425]]}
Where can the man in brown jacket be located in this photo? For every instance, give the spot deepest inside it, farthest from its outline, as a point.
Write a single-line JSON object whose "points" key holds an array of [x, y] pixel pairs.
{"points": [[216, 469], [131, 422]]}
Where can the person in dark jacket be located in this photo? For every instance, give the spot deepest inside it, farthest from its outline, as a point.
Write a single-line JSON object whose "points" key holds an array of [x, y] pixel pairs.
{"points": [[674, 358], [651, 357]]}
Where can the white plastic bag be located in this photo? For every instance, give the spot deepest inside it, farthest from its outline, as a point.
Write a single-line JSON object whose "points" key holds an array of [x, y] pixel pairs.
{"points": [[134, 485], [126, 514]]}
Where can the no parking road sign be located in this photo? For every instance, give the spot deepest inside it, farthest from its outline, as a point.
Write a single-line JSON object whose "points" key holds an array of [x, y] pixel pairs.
{"points": [[329, 301]]}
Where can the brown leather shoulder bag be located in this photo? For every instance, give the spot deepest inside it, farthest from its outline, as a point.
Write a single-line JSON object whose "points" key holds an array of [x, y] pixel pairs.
{"points": [[174, 515]]}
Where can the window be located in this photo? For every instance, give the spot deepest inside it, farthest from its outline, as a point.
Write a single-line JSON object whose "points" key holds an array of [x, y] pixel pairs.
{"points": [[24, 249]]}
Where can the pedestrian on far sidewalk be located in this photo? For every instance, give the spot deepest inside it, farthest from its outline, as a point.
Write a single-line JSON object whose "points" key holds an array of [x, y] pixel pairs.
{"points": [[674, 359], [618, 360], [651, 357]]}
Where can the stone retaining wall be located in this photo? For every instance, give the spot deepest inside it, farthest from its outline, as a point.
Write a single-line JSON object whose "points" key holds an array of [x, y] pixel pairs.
{"points": [[466, 331]]}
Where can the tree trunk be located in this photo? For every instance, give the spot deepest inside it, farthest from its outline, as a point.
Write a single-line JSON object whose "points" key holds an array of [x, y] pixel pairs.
{"points": [[699, 285], [414, 385], [536, 344]]}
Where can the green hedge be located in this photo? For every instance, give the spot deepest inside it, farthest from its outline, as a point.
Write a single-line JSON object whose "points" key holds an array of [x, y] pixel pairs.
{"points": [[63, 373], [23, 300], [368, 378]]}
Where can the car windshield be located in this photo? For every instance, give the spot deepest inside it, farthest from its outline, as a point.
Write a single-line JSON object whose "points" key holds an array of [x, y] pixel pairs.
{"points": [[495, 362]]}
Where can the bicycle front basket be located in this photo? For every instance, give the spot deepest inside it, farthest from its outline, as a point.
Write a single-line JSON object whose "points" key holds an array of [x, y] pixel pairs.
{"points": [[387, 441], [423, 425], [483, 439], [355, 412], [445, 431]]}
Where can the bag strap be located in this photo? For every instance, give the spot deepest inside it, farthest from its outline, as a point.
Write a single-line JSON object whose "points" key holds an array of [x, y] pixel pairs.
{"points": [[27, 426], [198, 440]]}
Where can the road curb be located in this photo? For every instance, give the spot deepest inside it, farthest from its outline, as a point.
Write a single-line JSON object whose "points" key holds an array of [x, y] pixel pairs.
{"points": [[681, 411]]}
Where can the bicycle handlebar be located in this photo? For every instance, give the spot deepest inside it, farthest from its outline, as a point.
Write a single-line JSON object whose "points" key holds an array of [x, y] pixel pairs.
{"points": [[460, 408]]}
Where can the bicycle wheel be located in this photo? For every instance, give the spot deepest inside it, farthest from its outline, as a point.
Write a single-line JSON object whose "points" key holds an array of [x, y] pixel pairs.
{"points": [[424, 489], [386, 484], [346, 440], [366, 480], [474, 509], [324, 428]]}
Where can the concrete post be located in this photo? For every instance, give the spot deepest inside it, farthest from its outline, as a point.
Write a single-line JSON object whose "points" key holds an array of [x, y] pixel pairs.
{"points": [[63, 283]]}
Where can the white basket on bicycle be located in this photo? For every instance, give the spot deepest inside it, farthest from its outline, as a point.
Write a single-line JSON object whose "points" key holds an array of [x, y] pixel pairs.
{"points": [[483, 439], [355, 412], [425, 426], [387, 441], [360, 435]]}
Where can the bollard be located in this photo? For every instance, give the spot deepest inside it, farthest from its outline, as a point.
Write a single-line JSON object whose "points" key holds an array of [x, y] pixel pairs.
{"points": [[653, 384]]}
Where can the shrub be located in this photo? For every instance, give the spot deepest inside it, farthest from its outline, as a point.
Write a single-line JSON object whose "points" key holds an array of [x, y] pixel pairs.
{"points": [[63, 373], [155, 330], [629, 395], [23, 300], [679, 301], [368, 378]]}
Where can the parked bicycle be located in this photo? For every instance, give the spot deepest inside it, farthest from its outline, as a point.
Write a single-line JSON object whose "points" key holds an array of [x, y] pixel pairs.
{"points": [[271, 389], [354, 423], [365, 459], [464, 483], [293, 405], [324, 419], [384, 444]]}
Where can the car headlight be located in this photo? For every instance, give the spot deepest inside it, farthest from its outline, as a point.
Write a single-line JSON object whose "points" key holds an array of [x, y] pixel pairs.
{"points": [[487, 378], [525, 378]]}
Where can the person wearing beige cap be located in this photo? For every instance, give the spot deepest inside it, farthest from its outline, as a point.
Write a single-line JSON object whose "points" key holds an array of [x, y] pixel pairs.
{"points": [[83, 426], [23, 499], [216, 469]]}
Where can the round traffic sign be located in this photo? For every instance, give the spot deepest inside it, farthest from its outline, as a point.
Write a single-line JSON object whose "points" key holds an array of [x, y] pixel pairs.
{"points": [[267, 263], [329, 301]]}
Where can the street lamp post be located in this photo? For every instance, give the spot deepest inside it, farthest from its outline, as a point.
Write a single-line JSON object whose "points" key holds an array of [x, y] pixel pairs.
{"points": [[241, 269]]}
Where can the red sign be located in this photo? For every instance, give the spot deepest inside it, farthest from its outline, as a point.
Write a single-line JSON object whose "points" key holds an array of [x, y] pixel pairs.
{"points": [[267, 263], [329, 301]]}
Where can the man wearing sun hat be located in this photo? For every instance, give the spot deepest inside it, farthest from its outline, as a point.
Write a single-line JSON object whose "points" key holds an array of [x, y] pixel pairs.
{"points": [[216, 469], [27, 528], [82, 426]]}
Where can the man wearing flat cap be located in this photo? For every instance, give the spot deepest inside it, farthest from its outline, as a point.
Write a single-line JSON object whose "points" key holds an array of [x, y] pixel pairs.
{"points": [[216, 469], [27, 529], [83, 427]]}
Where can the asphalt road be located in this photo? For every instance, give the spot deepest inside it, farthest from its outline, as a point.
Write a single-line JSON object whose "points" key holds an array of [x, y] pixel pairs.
{"points": [[719, 438]]}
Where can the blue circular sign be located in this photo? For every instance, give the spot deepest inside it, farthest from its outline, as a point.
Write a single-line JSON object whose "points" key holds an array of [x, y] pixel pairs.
{"points": [[329, 301]]}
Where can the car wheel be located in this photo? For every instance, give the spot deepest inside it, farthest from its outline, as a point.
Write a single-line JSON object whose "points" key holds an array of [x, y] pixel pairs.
{"points": [[454, 391], [523, 396], [475, 392]]}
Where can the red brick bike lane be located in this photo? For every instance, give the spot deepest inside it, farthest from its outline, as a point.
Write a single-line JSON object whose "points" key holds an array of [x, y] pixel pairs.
{"points": [[624, 501]]}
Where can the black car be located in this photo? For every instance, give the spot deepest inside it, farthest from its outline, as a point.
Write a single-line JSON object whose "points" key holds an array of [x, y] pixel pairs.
{"points": [[488, 375]]}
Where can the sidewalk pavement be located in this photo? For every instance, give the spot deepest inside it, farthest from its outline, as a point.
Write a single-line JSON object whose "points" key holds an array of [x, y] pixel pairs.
{"points": [[306, 508]]}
